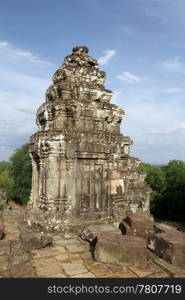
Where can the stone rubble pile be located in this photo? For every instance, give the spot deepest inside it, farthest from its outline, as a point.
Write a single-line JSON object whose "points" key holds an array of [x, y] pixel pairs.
{"points": [[129, 242], [71, 257]]}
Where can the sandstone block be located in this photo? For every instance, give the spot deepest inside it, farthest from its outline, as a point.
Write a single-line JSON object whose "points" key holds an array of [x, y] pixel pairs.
{"points": [[116, 249], [91, 232], [138, 225], [34, 240], [169, 245]]}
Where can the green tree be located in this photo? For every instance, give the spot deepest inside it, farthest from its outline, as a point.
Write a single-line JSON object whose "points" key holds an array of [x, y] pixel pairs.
{"points": [[157, 181], [174, 194], [6, 181], [167, 200], [21, 173]]}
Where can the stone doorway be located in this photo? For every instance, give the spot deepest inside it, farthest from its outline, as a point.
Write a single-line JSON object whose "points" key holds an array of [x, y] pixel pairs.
{"points": [[92, 190]]}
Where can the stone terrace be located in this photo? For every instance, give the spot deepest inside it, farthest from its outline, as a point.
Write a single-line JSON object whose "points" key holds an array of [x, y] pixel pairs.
{"points": [[68, 256]]}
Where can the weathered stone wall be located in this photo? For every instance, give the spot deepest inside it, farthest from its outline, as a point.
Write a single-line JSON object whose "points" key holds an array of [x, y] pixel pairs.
{"points": [[81, 162]]}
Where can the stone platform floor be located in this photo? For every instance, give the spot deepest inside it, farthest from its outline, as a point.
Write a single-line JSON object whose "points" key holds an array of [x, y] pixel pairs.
{"points": [[69, 256]]}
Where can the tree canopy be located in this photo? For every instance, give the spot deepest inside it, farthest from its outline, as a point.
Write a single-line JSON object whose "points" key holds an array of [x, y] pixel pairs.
{"points": [[167, 200], [15, 176]]}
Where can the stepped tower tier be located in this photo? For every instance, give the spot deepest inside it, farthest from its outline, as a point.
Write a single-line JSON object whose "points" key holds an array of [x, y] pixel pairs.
{"points": [[81, 162]]}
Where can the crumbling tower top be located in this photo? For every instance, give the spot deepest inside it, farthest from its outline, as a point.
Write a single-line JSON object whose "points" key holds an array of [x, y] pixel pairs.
{"points": [[81, 49], [80, 58]]}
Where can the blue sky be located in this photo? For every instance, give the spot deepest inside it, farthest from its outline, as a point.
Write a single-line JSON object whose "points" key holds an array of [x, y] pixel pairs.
{"points": [[139, 43]]}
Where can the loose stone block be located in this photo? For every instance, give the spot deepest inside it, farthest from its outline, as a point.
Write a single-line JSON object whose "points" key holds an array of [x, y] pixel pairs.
{"points": [[127, 250], [34, 240], [137, 225], [94, 231], [169, 245]]}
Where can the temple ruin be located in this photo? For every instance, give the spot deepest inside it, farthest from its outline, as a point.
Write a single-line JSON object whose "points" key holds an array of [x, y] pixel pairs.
{"points": [[82, 168], [88, 214]]}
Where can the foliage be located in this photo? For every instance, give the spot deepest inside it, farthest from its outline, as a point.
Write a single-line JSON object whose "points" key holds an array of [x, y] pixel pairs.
{"points": [[167, 200], [6, 181], [174, 194], [15, 176]]}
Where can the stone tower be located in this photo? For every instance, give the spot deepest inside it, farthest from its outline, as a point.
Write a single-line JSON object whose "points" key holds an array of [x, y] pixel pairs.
{"points": [[81, 163]]}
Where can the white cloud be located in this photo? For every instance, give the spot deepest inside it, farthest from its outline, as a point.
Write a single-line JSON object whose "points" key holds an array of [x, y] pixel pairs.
{"points": [[16, 52], [103, 60], [155, 122], [24, 79], [129, 78]]}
